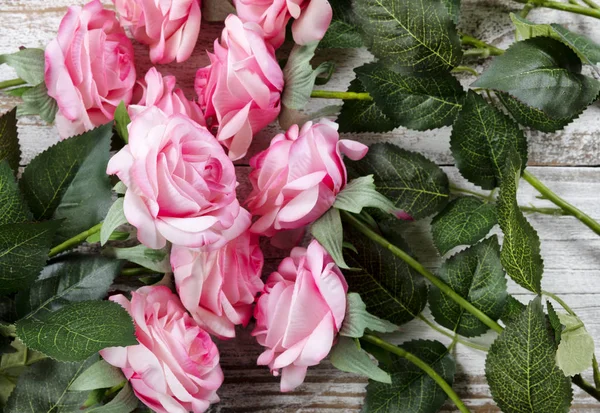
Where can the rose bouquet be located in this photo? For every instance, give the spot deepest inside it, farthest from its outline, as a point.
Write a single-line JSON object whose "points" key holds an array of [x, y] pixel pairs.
{"points": [[132, 248]]}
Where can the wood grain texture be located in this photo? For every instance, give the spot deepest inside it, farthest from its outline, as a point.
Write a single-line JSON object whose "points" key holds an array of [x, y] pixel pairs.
{"points": [[570, 250]]}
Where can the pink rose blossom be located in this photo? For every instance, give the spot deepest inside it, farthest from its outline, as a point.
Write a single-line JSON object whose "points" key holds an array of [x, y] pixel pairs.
{"points": [[297, 178], [180, 183], [169, 27], [241, 89], [300, 314], [218, 288], [89, 68], [157, 90], [175, 367], [312, 18]]}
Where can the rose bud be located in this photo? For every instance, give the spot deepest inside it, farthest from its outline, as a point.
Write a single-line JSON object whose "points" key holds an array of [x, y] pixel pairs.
{"points": [[218, 287], [175, 367], [297, 178], [240, 91], [170, 28], [300, 313], [158, 90], [312, 18], [181, 186], [89, 68]]}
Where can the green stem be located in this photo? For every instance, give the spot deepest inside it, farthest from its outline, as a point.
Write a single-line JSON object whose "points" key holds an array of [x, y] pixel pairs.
{"points": [[560, 301], [468, 191], [454, 337], [561, 203], [480, 44], [596, 372], [11, 83], [586, 387], [592, 4], [75, 241], [400, 352], [444, 288], [138, 271], [525, 11], [115, 389], [571, 8], [467, 69], [328, 94]]}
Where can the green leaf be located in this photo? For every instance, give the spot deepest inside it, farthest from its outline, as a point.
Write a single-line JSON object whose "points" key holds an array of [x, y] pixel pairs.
{"points": [[78, 330], [36, 101], [68, 181], [416, 101], [512, 310], [361, 193], [477, 275], [12, 207], [532, 117], [71, 279], [17, 91], [520, 254], [464, 221], [124, 402], [156, 260], [362, 115], [28, 63], [585, 47], [520, 367], [418, 35], [390, 288], [43, 388], [481, 138], [12, 365], [358, 319], [554, 321], [576, 348], [300, 76], [347, 356], [412, 390], [412, 182], [122, 120], [329, 232], [99, 375], [114, 219], [542, 73], [343, 32], [454, 9], [23, 252], [9, 140]]}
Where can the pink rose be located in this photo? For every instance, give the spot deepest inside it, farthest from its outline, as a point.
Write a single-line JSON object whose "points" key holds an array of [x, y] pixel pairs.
{"points": [[313, 18], [175, 368], [89, 68], [241, 89], [297, 178], [218, 288], [300, 313], [159, 91], [170, 28], [181, 184]]}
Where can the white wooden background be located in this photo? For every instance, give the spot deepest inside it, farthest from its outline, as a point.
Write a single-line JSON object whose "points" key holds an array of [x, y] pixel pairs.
{"points": [[566, 161]]}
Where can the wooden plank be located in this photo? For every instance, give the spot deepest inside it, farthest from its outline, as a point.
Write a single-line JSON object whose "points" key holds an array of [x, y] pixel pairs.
{"points": [[569, 249]]}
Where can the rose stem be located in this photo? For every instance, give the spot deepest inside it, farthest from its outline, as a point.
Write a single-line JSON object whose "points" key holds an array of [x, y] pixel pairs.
{"points": [[12, 82], [454, 337], [400, 352], [327, 94], [138, 271], [572, 8], [445, 288], [561, 203], [76, 240], [480, 45], [577, 380]]}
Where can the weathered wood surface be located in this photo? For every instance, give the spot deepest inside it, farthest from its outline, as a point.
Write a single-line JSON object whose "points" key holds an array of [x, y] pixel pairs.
{"points": [[570, 250]]}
